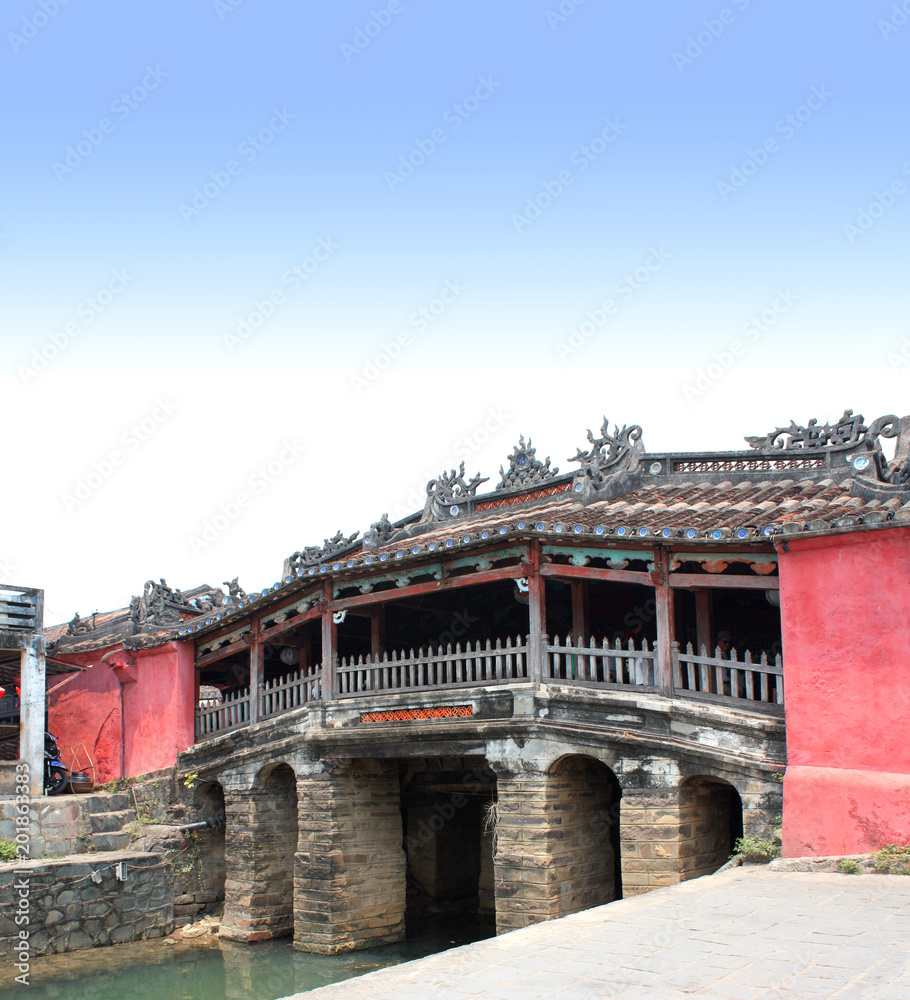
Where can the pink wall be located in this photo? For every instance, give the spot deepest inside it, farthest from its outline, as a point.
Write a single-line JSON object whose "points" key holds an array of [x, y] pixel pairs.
{"points": [[158, 708], [845, 616], [84, 714]]}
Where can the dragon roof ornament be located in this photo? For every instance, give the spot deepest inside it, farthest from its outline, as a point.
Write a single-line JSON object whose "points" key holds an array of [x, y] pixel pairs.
{"points": [[312, 555], [380, 532], [450, 494], [608, 455], [525, 469], [847, 432]]}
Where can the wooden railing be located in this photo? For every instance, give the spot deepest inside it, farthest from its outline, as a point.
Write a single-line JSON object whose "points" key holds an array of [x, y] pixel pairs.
{"points": [[283, 694], [218, 717], [435, 668], [601, 664], [728, 678], [588, 663], [21, 608]]}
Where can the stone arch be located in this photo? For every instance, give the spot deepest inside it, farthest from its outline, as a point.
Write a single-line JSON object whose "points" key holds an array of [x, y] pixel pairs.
{"points": [[710, 822], [261, 841], [583, 801], [210, 871]]}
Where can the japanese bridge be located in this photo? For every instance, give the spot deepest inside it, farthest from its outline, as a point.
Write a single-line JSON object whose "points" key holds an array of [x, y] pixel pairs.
{"points": [[525, 702]]}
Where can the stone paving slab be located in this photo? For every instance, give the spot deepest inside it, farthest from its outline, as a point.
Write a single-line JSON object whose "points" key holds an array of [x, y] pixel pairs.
{"points": [[746, 934]]}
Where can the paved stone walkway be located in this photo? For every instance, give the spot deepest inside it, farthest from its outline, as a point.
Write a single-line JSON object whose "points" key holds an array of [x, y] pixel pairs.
{"points": [[747, 933]]}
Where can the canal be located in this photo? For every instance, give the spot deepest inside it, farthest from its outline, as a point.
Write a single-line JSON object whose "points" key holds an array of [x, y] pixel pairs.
{"points": [[212, 969]]}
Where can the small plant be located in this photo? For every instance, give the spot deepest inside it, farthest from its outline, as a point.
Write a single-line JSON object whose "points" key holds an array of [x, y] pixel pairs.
{"points": [[777, 776], [756, 849], [892, 859], [848, 866], [8, 850], [189, 780]]}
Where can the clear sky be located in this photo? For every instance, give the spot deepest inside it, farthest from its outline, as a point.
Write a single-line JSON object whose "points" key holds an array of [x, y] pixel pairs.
{"points": [[355, 243]]}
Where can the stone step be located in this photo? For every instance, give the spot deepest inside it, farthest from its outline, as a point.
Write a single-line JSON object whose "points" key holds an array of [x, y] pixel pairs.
{"points": [[111, 841], [108, 803], [112, 822]]}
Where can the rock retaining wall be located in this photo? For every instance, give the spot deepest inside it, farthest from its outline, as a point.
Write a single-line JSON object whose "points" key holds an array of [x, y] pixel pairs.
{"points": [[62, 909]]}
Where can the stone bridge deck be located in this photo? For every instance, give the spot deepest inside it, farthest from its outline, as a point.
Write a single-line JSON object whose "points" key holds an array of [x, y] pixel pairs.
{"points": [[748, 934]]}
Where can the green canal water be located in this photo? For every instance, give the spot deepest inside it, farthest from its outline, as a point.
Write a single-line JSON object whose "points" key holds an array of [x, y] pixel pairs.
{"points": [[217, 970]]}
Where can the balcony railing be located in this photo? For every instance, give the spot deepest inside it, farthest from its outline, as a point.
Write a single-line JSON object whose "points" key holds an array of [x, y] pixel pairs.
{"points": [[588, 663], [728, 677], [601, 664], [435, 668]]}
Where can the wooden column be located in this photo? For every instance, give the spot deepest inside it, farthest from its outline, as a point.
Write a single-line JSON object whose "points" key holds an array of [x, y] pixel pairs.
{"points": [[703, 625], [31, 712], [257, 663], [537, 614], [329, 644], [377, 632], [663, 594], [580, 612]]}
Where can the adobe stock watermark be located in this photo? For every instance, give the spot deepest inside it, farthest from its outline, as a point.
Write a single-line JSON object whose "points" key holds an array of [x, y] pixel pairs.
{"points": [[900, 357], [581, 158], [7, 568], [248, 149], [562, 12], [897, 18], [87, 311], [255, 485], [224, 7], [464, 447], [36, 22], [881, 202], [623, 290], [453, 118], [21, 888], [758, 156], [121, 108], [707, 33], [292, 279], [752, 330], [367, 33], [419, 322], [128, 444]]}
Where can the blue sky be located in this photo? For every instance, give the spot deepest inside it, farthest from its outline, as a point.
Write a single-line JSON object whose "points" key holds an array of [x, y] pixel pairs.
{"points": [[376, 232]]}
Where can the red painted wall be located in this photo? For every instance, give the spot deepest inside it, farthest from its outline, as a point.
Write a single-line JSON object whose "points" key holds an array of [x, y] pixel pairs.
{"points": [[84, 714], [158, 709], [845, 618]]}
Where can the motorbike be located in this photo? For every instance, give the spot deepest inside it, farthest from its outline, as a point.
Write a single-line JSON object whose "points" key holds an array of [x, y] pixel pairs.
{"points": [[56, 774]]}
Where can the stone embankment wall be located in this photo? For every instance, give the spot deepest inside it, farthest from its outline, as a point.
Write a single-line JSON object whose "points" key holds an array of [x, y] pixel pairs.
{"points": [[66, 910]]}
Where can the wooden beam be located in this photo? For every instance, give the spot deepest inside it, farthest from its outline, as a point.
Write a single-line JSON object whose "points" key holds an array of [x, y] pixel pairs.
{"points": [[432, 587], [329, 644], [691, 581], [222, 653], [257, 668], [704, 632], [377, 633], [663, 593], [596, 573], [537, 613], [291, 623], [579, 611]]}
